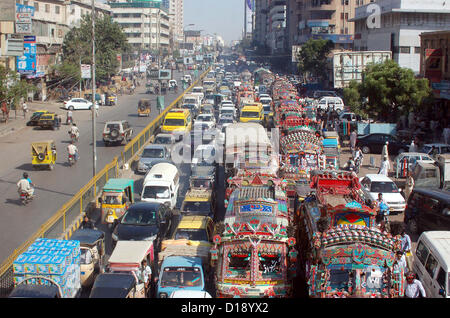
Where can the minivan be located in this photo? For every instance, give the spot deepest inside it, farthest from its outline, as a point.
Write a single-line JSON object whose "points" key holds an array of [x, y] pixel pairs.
{"points": [[432, 262], [330, 102], [428, 210], [161, 184]]}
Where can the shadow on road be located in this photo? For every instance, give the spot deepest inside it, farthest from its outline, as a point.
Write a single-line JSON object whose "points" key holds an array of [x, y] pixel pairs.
{"points": [[26, 167], [13, 201]]}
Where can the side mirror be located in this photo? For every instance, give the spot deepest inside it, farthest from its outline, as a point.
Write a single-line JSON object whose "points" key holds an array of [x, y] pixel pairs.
{"points": [[100, 200]]}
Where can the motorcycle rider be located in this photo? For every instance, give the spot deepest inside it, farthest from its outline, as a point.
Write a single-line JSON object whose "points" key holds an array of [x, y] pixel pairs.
{"points": [[69, 118], [73, 151], [25, 186], [74, 131]]}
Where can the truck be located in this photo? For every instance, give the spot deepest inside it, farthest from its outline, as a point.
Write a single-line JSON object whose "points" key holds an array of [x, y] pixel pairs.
{"points": [[433, 175], [347, 66], [182, 266]]}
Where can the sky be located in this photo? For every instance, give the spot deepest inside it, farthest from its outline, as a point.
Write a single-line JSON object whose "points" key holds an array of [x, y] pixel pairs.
{"points": [[224, 17]]}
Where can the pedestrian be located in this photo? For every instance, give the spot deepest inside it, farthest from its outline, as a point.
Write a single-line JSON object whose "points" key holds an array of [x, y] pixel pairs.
{"points": [[145, 274], [406, 247], [409, 185], [353, 142], [25, 109], [385, 167], [69, 118], [434, 152], [412, 146], [413, 287], [385, 151], [400, 261], [87, 223], [59, 121]]}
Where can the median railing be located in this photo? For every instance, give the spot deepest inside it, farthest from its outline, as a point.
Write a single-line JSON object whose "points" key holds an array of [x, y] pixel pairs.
{"points": [[61, 224]]}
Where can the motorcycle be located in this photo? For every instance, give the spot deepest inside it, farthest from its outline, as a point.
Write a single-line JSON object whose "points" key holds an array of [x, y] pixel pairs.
{"points": [[384, 213], [69, 121], [72, 160], [25, 197], [73, 137]]}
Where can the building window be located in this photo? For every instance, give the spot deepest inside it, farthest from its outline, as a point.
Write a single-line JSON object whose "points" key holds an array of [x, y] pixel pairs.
{"points": [[417, 49], [342, 15], [36, 6], [47, 8], [25, 2], [405, 49], [57, 9], [346, 16]]}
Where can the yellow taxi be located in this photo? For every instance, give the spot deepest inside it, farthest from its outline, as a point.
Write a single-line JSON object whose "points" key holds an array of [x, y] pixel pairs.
{"points": [[253, 112], [198, 202], [198, 230], [177, 120]]}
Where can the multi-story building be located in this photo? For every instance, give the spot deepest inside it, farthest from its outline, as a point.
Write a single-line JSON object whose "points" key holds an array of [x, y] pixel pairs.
{"points": [[321, 19], [396, 25], [176, 11], [261, 25], [276, 17], [7, 18], [145, 23]]}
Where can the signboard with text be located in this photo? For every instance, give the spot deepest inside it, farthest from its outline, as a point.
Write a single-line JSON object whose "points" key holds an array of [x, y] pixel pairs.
{"points": [[23, 19], [26, 64], [86, 71]]}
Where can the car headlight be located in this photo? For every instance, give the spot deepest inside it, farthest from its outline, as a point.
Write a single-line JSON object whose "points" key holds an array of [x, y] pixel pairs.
{"points": [[162, 295]]}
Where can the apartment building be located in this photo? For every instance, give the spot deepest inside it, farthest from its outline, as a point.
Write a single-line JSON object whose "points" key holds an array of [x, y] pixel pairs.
{"points": [[176, 12], [321, 19], [398, 27], [276, 26], [261, 25], [145, 23]]}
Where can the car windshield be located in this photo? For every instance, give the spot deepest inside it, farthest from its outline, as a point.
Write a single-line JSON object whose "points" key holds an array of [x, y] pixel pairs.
{"points": [[266, 108], [153, 153], [111, 199], [250, 114], [204, 118], [174, 122], [163, 140], [226, 111], [270, 265], [202, 208], [139, 217], [426, 149], [238, 264], [191, 234], [201, 183], [189, 101], [188, 106], [197, 90], [383, 187], [209, 97], [156, 192], [181, 276]]}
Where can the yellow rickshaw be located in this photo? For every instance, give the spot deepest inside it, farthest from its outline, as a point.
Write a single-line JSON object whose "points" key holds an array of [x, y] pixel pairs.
{"points": [[43, 154], [144, 107]]}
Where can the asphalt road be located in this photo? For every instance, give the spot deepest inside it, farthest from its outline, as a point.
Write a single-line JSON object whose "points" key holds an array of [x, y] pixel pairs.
{"points": [[54, 188]]}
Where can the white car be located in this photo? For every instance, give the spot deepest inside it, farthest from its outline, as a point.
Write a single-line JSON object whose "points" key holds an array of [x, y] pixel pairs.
{"points": [[204, 155], [228, 110], [373, 184], [198, 90], [412, 158], [265, 96], [78, 103], [441, 148], [226, 102], [208, 118]]}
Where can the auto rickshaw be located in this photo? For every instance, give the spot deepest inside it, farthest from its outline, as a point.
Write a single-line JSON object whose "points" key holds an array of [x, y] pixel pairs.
{"points": [[43, 154], [117, 196], [34, 119], [127, 257], [48, 120], [92, 246], [116, 285], [144, 107]]}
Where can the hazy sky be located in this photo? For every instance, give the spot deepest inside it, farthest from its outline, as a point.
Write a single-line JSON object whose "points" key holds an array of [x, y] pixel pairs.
{"points": [[224, 17]]}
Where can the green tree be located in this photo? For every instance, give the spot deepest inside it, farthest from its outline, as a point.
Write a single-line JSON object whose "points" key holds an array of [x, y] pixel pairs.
{"points": [[353, 99], [77, 47], [312, 58], [392, 90], [12, 88]]}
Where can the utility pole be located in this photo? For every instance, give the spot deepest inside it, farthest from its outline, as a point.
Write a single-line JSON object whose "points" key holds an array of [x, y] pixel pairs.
{"points": [[94, 147]]}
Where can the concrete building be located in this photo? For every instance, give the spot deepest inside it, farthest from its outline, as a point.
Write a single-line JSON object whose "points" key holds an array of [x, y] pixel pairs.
{"points": [[321, 19], [145, 23], [261, 25], [276, 29], [7, 18], [176, 12], [399, 26]]}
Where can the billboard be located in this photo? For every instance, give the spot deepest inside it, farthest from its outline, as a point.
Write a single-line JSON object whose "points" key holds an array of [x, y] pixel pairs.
{"points": [[26, 64], [23, 19], [348, 66], [165, 74]]}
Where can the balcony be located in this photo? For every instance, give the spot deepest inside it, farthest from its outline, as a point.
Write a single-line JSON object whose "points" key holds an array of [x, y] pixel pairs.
{"points": [[323, 5]]}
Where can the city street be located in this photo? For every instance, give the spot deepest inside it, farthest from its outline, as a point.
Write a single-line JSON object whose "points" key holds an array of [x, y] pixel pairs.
{"points": [[54, 188]]}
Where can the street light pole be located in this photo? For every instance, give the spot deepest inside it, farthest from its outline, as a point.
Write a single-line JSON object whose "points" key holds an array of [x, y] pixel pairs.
{"points": [[94, 147]]}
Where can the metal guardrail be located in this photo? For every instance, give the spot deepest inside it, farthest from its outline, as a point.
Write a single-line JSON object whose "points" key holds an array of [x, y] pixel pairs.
{"points": [[73, 209]]}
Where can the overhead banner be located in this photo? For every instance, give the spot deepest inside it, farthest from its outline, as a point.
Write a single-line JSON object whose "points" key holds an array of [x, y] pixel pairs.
{"points": [[26, 64]]}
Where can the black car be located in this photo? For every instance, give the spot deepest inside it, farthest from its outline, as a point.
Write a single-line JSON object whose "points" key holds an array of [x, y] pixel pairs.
{"points": [[428, 210], [373, 143], [144, 221]]}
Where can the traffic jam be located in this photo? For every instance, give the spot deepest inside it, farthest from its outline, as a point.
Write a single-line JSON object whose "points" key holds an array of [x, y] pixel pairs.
{"points": [[243, 193]]}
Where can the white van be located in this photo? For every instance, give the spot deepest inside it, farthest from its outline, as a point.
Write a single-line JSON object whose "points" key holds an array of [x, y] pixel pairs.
{"points": [[432, 263], [192, 99], [161, 184], [330, 101]]}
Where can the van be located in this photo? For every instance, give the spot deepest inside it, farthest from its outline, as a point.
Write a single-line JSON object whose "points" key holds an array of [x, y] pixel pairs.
{"points": [[427, 210], [330, 102], [161, 184], [193, 99], [432, 262], [252, 113], [177, 120], [320, 94]]}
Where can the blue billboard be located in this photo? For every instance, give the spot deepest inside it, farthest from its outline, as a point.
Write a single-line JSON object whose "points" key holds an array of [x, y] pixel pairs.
{"points": [[26, 64]]}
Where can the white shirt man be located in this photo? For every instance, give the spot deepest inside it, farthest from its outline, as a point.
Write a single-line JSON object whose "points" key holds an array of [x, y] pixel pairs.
{"points": [[75, 131], [385, 152], [24, 186], [73, 151], [384, 168], [413, 289]]}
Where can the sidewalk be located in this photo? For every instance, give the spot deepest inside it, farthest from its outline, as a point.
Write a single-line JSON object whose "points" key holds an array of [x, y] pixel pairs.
{"points": [[17, 123]]}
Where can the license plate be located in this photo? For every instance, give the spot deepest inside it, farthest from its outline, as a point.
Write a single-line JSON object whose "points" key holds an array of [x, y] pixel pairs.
{"points": [[110, 219]]}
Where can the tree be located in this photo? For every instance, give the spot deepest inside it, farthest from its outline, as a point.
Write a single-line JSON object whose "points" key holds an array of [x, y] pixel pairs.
{"points": [[312, 58], [77, 47], [12, 88], [389, 91]]}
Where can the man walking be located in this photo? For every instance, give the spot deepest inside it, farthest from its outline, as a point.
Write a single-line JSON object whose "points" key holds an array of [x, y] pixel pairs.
{"points": [[353, 142], [385, 167]]}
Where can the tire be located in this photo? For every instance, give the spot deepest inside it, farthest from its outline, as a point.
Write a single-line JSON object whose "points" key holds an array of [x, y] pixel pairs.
{"points": [[365, 149], [41, 156], [114, 133], [71, 108]]}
